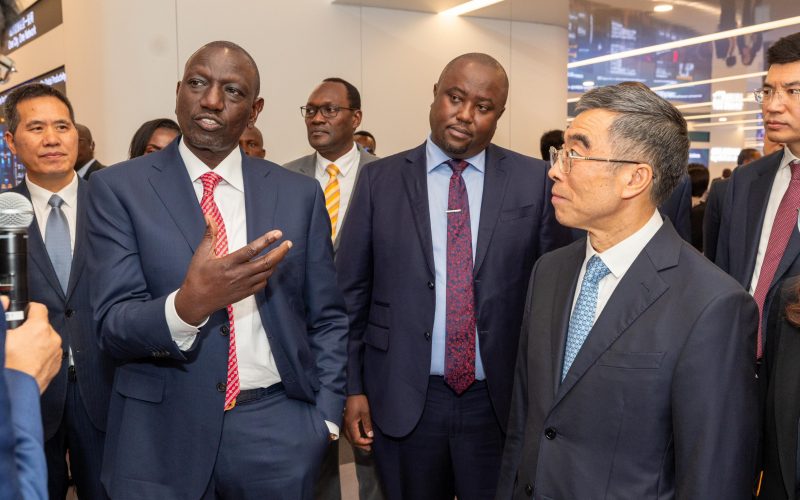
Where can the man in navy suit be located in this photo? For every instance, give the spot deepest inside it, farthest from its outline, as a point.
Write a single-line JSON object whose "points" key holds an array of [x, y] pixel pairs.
{"points": [[636, 368], [439, 240], [42, 133], [231, 377]]}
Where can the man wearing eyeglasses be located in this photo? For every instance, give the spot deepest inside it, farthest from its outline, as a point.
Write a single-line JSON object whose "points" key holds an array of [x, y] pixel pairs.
{"points": [[332, 114], [439, 244], [635, 376], [759, 245]]}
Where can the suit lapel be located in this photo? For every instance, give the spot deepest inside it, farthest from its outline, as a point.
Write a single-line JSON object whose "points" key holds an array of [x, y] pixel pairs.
{"points": [[638, 289], [79, 252], [494, 190], [171, 182], [416, 183], [37, 251], [564, 293], [261, 203], [308, 165], [757, 199], [363, 160]]}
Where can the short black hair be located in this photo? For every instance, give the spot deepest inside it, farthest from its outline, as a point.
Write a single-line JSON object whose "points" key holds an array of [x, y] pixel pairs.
{"points": [[353, 95], [31, 91], [365, 134], [143, 134], [699, 175], [746, 156], [784, 51], [553, 138]]}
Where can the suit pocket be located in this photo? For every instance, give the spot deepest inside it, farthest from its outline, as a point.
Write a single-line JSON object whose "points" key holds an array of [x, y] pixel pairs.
{"points": [[380, 314], [517, 213], [377, 337], [138, 385], [632, 360]]}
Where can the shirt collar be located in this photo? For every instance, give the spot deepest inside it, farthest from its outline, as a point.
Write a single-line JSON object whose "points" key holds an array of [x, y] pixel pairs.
{"points": [[620, 257], [85, 167], [344, 163], [230, 169], [788, 157], [437, 157], [41, 196]]}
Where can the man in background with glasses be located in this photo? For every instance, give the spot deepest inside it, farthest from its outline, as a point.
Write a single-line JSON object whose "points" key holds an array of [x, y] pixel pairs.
{"points": [[439, 243], [635, 376], [332, 114], [759, 245]]}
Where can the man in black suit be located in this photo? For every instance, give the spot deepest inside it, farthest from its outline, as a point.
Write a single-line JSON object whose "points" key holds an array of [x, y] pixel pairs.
{"points": [[41, 132], [434, 333], [85, 163], [636, 371]]}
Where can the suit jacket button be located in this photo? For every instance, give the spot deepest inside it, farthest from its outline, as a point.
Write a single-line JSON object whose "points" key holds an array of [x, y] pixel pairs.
{"points": [[430, 285], [224, 330], [221, 387], [528, 489], [427, 335], [550, 433], [69, 313]]}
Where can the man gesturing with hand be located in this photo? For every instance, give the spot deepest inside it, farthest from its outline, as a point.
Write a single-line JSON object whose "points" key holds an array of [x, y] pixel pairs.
{"points": [[215, 290]]}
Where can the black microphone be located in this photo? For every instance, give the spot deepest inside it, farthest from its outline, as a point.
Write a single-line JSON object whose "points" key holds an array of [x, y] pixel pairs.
{"points": [[16, 214]]}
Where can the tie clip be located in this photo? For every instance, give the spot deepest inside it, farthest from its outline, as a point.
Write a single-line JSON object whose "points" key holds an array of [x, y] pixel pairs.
{"points": [[456, 210]]}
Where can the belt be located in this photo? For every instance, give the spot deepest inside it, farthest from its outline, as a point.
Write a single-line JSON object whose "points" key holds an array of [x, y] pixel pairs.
{"points": [[251, 395]]}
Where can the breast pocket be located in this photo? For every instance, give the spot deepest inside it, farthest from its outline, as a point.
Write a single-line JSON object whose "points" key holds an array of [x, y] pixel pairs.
{"points": [[517, 213], [632, 360]]}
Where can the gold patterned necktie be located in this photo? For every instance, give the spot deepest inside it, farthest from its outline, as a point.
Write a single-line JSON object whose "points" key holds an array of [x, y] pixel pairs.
{"points": [[332, 196]]}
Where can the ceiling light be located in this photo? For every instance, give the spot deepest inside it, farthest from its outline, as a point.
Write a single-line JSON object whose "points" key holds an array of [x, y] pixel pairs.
{"points": [[711, 80], [717, 115], [588, 83], [468, 7], [756, 28], [726, 124], [662, 7], [723, 119]]}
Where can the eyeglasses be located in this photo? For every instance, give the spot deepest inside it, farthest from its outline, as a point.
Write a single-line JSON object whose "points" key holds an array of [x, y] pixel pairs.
{"points": [[766, 95], [329, 111], [564, 159]]}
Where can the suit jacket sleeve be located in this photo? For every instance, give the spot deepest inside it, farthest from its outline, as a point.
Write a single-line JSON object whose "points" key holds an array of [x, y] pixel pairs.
{"points": [[711, 222], [721, 257], [132, 324], [325, 314], [715, 404], [679, 208], [26, 421], [354, 270]]}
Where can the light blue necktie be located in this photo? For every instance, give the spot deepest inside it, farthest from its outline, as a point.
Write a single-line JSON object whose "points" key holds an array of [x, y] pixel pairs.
{"points": [[57, 241], [582, 319]]}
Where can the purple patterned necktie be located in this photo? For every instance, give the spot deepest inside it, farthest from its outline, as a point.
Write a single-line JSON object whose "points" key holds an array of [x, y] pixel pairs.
{"points": [[459, 360]]}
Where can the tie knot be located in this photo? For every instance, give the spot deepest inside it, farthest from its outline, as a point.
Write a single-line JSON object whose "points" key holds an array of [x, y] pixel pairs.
{"points": [[55, 201], [210, 181], [794, 165], [596, 269], [458, 166], [332, 170]]}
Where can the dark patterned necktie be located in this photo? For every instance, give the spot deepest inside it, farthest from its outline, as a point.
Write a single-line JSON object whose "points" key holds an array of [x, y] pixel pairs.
{"points": [[459, 361]]}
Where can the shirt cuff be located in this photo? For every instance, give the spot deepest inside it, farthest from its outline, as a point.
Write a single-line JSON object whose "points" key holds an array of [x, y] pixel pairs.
{"points": [[333, 428], [182, 332]]}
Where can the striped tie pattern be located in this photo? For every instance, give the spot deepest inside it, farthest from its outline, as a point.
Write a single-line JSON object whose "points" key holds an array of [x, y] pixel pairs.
{"points": [[210, 181], [332, 196]]}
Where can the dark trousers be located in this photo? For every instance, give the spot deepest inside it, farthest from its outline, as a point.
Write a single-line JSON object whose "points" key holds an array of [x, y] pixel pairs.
{"points": [[329, 486], [270, 448], [455, 449], [84, 442]]}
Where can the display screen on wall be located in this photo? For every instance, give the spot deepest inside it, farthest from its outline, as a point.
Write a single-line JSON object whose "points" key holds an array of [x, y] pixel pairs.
{"points": [[699, 156], [35, 21], [596, 30], [11, 171]]}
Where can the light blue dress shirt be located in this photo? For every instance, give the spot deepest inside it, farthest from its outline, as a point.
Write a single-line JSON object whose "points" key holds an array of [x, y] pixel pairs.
{"points": [[438, 192]]}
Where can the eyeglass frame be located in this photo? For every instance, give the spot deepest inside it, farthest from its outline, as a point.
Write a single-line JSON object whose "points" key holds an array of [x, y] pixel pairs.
{"points": [[318, 109], [571, 155], [758, 94]]}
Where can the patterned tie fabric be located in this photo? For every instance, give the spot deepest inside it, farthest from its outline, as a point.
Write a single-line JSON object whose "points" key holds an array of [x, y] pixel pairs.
{"points": [[332, 196], [459, 361], [782, 227], [582, 319], [57, 241], [210, 181]]}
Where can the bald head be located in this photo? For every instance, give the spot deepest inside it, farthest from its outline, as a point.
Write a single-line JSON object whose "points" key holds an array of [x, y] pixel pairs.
{"points": [[479, 59], [85, 145], [232, 47]]}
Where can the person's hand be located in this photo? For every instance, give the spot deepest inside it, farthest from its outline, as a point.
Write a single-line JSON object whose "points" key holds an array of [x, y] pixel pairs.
{"points": [[34, 347], [212, 282], [357, 422]]}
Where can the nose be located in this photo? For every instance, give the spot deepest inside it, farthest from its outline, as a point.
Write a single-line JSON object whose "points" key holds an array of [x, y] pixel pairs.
{"points": [[773, 105], [465, 112], [51, 138], [555, 173], [318, 118], [212, 98]]}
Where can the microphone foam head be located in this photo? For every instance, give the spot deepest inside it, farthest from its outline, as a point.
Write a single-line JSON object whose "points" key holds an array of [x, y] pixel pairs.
{"points": [[16, 212]]}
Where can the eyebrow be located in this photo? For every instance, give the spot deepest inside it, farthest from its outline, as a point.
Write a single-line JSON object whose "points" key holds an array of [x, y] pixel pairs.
{"points": [[582, 139], [788, 84]]}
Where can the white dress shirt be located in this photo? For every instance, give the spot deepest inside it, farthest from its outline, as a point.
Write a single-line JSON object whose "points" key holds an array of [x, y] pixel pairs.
{"points": [[41, 208], [348, 167], [618, 259], [85, 168], [779, 186]]}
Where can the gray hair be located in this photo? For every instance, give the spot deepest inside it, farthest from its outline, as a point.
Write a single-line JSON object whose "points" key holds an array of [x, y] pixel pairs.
{"points": [[647, 129]]}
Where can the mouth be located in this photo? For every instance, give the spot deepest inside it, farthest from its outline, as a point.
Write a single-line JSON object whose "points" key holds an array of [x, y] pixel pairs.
{"points": [[774, 125], [459, 132], [52, 156], [208, 123], [318, 132]]}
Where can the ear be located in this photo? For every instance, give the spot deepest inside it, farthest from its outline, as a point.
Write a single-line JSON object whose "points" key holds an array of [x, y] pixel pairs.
{"points": [[357, 115], [258, 106], [435, 89], [9, 137], [638, 179], [500, 113]]}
